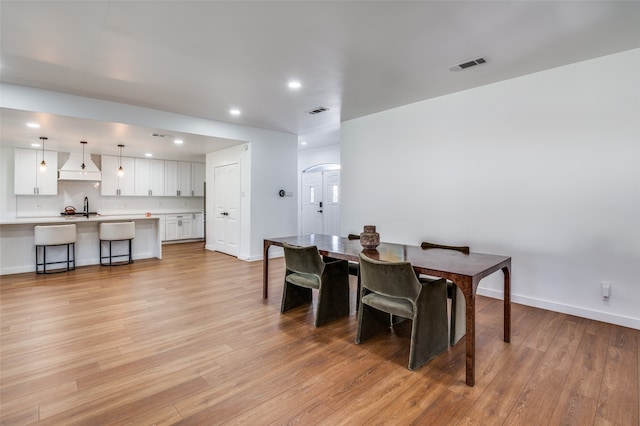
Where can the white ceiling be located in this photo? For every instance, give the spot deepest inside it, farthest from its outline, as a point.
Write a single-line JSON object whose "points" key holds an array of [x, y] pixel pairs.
{"points": [[202, 58]]}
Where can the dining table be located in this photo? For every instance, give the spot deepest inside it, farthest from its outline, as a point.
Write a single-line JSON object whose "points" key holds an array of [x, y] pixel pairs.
{"points": [[465, 270]]}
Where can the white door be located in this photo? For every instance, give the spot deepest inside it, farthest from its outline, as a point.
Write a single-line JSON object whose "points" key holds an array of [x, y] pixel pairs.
{"points": [[312, 221], [226, 206], [321, 202]]}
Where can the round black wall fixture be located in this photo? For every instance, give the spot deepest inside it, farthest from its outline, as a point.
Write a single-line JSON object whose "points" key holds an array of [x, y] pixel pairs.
{"points": [[281, 193]]}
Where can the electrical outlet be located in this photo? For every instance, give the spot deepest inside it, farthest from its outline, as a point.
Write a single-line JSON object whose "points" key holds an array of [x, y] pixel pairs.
{"points": [[606, 290]]}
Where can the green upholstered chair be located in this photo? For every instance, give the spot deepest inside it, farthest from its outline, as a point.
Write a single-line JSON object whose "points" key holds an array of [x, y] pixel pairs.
{"points": [[390, 290], [307, 271], [457, 320]]}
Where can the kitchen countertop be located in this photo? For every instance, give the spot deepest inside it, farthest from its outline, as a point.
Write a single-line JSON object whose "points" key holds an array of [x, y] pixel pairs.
{"points": [[74, 219]]}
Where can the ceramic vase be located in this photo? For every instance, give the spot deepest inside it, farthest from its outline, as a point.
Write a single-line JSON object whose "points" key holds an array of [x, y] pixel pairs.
{"points": [[369, 238]]}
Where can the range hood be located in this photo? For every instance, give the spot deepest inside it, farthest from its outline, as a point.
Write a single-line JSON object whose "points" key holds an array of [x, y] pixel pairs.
{"points": [[72, 169]]}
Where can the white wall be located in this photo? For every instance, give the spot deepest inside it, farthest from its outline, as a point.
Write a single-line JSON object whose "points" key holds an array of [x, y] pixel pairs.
{"points": [[544, 168], [323, 155]]}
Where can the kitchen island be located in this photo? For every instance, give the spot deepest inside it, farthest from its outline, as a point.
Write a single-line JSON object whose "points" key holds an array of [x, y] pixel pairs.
{"points": [[17, 246]]}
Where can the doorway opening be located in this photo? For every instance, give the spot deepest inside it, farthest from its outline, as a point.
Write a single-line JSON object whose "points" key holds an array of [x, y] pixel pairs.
{"points": [[320, 201]]}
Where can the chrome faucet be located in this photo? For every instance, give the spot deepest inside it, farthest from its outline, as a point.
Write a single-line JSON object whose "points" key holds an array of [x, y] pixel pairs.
{"points": [[86, 207]]}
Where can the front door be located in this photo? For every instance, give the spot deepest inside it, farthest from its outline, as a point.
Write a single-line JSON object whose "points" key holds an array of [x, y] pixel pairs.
{"points": [[321, 202]]}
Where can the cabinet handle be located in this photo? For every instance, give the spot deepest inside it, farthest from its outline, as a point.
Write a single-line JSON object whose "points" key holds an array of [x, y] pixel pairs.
{"points": [[150, 192]]}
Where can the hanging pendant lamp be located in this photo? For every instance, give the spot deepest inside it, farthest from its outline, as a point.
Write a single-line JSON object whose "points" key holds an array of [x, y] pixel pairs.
{"points": [[120, 169], [43, 164], [83, 167]]}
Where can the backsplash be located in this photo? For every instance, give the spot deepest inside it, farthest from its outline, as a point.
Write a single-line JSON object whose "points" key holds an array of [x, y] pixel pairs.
{"points": [[71, 193]]}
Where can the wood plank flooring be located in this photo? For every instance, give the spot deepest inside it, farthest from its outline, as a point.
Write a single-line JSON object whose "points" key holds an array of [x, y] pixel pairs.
{"points": [[189, 340]]}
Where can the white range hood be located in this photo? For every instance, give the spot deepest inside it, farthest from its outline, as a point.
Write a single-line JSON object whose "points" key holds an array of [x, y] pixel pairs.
{"points": [[72, 169]]}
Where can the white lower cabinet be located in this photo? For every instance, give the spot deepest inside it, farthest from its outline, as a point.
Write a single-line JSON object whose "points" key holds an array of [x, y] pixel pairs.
{"points": [[183, 226]]}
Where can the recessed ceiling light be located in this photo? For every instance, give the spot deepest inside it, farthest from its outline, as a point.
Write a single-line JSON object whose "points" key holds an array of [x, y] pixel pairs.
{"points": [[33, 126], [177, 141], [294, 85], [303, 143], [234, 111], [35, 145], [148, 154]]}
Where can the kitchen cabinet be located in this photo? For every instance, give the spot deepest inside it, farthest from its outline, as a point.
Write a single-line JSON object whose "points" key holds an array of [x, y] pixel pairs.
{"points": [[177, 177], [149, 177], [28, 179], [198, 172], [179, 227], [112, 184]]}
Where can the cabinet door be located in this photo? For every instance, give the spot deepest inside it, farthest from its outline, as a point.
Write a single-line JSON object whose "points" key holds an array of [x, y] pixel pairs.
{"points": [[112, 184], [187, 230], [126, 182], [149, 177], [25, 175], [142, 173], [197, 179], [47, 180], [172, 230], [156, 178], [109, 184], [170, 178], [184, 177], [29, 179]]}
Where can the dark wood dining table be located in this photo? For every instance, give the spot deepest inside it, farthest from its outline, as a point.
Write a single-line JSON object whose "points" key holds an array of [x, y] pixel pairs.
{"points": [[464, 270]]}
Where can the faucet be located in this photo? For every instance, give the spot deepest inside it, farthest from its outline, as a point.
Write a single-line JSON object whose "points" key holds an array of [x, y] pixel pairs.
{"points": [[86, 207]]}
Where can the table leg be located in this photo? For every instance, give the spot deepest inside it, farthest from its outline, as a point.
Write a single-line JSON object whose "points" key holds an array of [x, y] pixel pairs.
{"points": [[265, 270], [471, 336], [507, 304]]}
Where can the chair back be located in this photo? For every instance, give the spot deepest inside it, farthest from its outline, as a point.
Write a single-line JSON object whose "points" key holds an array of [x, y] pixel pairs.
{"points": [[306, 260], [394, 279]]}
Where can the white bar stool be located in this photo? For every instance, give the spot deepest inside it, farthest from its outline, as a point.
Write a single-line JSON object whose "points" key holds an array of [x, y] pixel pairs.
{"points": [[121, 231], [55, 235]]}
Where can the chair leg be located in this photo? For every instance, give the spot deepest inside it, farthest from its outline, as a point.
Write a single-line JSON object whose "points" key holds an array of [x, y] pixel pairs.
{"points": [[458, 315], [294, 296], [371, 321], [333, 301], [429, 335]]}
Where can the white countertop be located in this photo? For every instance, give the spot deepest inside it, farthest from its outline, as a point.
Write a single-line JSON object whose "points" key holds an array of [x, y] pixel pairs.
{"points": [[77, 218]]}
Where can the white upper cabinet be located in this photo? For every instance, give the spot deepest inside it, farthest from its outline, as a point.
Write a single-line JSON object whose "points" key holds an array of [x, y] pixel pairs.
{"points": [[29, 179], [112, 184], [197, 179], [177, 175], [149, 177]]}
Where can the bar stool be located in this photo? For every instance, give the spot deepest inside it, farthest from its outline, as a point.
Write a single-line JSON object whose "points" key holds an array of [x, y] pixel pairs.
{"points": [[55, 235], [110, 232]]}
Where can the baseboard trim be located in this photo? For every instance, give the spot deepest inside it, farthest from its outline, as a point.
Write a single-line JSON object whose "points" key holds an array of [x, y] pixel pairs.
{"points": [[565, 309]]}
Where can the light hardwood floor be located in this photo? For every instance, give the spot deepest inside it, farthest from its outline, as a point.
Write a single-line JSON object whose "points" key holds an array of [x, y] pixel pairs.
{"points": [[189, 340]]}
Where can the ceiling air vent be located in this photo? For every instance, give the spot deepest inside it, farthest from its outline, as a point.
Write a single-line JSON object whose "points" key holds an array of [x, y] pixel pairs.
{"points": [[318, 110], [468, 64], [158, 135]]}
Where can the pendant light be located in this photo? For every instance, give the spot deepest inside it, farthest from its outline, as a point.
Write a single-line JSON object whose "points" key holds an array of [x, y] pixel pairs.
{"points": [[83, 167], [120, 169], [43, 164]]}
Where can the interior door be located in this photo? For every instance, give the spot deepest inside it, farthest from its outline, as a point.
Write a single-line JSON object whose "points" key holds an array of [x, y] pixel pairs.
{"points": [[312, 220], [226, 214], [321, 202]]}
